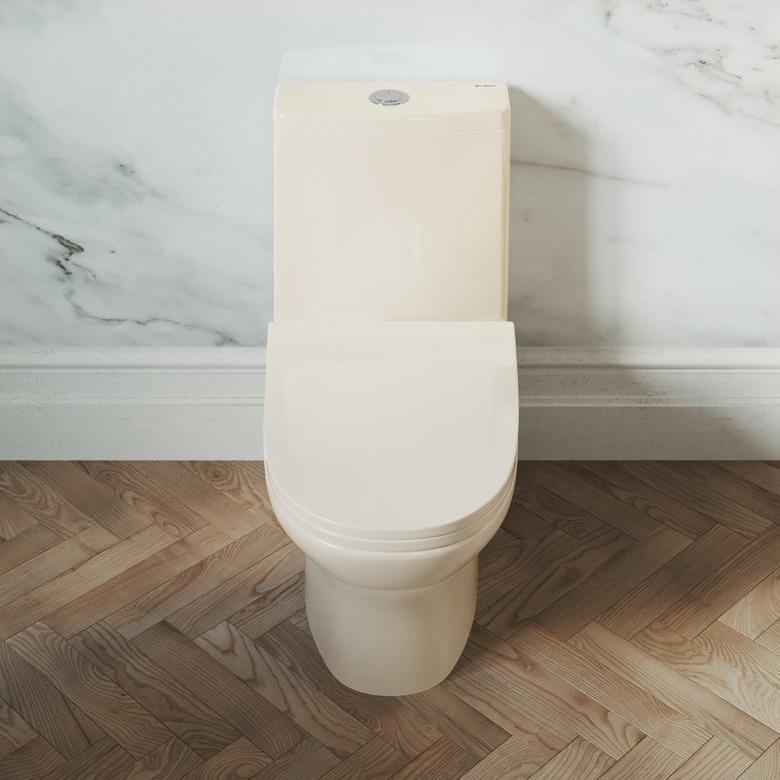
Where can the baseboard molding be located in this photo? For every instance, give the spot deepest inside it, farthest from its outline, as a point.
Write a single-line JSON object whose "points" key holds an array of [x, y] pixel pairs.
{"points": [[575, 403]]}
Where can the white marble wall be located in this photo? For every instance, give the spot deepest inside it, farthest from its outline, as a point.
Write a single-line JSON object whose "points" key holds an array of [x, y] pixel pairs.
{"points": [[135, 160]]}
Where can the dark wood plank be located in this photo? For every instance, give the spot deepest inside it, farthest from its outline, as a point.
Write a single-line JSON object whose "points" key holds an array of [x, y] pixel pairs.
{"points": [[279, 685], [27, 545], [167, 762], [376, 760], [93, 498], [13, 519], [307, 759], [122, 718], [240, 759], [103, 760], [241, 706], [35, 759], [153, 502], [444, 760], [174, 705]]}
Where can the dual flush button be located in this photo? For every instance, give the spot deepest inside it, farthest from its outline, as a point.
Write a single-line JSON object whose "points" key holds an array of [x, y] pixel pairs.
{"points": [[388, 97]]}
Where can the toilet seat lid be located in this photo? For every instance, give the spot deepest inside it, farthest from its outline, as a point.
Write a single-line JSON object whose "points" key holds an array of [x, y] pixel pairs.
{"points": [[391, 430]]}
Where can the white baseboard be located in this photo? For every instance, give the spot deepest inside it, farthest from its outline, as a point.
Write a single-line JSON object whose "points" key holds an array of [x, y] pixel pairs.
{"points": [[575, 403]]}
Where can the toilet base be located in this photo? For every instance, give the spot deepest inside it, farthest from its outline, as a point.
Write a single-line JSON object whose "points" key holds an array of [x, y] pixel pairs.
{"points": [[390, 642]]}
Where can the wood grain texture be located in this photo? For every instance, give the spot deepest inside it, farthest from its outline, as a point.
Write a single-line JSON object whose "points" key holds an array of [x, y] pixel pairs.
{"points": [[152, 625]]}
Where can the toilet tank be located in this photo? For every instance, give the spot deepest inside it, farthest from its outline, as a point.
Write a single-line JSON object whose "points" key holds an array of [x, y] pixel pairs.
{"points": [[391, 210]]}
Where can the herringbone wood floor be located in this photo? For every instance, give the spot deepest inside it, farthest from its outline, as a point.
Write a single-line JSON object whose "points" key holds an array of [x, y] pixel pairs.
{"points": [[152, 626]]}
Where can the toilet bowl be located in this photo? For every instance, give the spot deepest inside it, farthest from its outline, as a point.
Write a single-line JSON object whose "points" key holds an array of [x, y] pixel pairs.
{"points": [[390, 461], [391, 404]]}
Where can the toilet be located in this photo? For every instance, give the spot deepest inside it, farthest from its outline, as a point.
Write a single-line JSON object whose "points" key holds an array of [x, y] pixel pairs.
{"points": [[391, 403]]}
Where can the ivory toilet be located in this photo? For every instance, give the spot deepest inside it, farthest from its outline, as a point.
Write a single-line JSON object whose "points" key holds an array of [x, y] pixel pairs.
{"points": [[391, 387]]}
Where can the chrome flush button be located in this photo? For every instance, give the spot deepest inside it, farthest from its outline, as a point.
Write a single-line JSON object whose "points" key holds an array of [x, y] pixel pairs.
{"points": [[388, 97]]}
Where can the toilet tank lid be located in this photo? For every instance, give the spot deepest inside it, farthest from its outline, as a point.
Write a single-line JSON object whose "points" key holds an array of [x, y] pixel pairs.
{"points": [[431, 107]]}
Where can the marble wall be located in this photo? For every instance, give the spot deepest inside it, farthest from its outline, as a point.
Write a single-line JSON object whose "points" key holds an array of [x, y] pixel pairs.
{"points": [[135, 160]]}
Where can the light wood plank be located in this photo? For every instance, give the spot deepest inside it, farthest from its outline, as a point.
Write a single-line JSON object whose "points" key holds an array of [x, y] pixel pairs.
{"points": [[579, 760], [13, 519], [443, 759], [771, 637], [271, 607], [718, 717], [512, 760], [712, 673], [767, 767], [647, 760], [758, 609], [26, 545], [587, 673], [714, 761]]}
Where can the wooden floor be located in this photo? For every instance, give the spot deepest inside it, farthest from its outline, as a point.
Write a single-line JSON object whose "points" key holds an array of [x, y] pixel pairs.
{"points": [[152, 626]]}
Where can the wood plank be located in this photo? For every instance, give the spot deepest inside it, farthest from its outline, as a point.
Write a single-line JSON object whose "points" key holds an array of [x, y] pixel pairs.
{"points": [[512, 760], [715, 761], [756, 472], [758, 609], [136, 583], [27, 545], [301, 701], [93, 498], [13, 519], [708, 600], [568, 571], [767, 767], [597, 502], [521, 523], [168, 762], [647, 760], [563, 707], [738, 651], [122, 718], [579, 760], [633, 703], [248, 712], [376, 760], [211, 504], [243, 481], [687, 489], [152, 502], [771, 637], [40, 501], [615, 479], [307, 759], [103, 760], [442, 760], [508, 561], [271, 607], [657, 593], [15, 731], [173, 704], [68, 554], [712, 673], [457, 721], [264, 581], [735, 488], [60, 591], [555, 510], [44, 707], [239, 759], [615, 579], [198, 579], [387, 717], [718, 717], [35, 759]]}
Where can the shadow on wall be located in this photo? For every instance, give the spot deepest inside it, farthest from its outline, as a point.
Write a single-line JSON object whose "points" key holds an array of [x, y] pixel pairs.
{"points": [[617, 406], [551, 296]]}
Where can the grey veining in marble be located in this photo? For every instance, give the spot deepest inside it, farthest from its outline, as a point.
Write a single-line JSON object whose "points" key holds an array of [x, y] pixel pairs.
{"points": [[135, 160]]}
